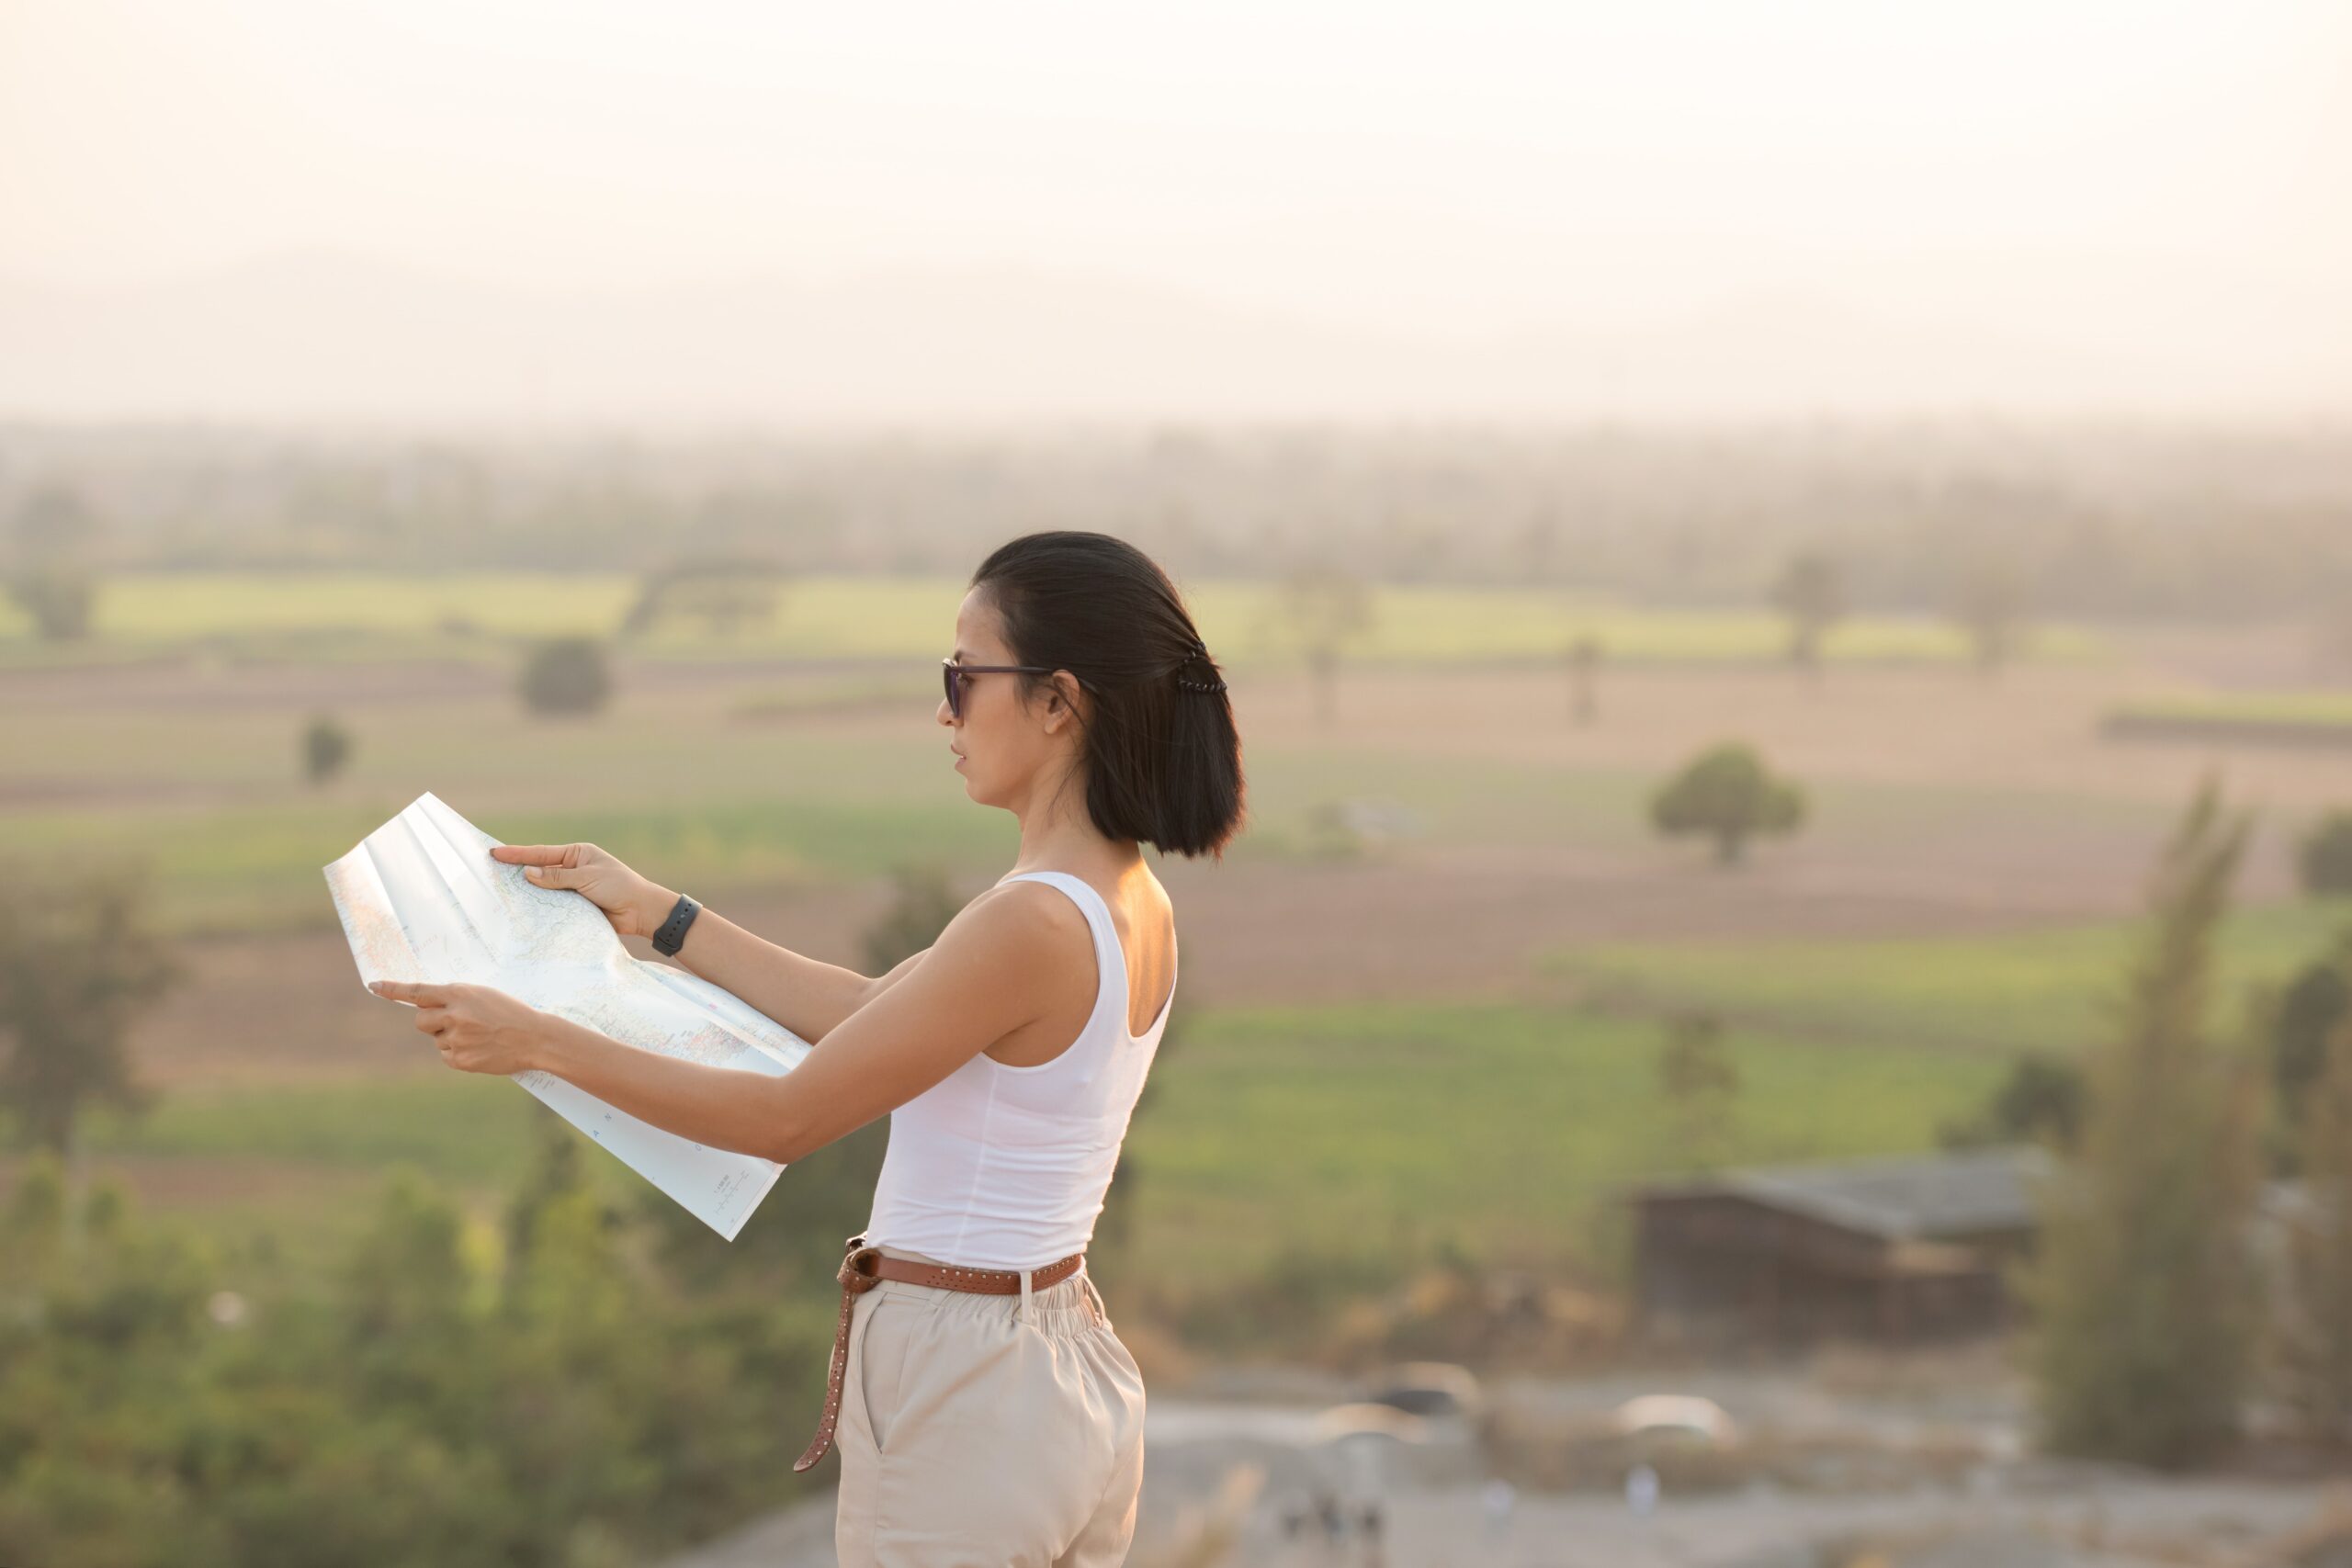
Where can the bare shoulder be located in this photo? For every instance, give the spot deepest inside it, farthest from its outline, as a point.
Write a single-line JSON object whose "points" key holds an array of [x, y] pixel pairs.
{"points": [[1044, 912], [1018, 928]]}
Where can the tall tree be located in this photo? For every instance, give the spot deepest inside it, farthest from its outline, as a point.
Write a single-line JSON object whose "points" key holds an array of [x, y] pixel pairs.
{"points": [[2319, 1344], [2143, 1288]]}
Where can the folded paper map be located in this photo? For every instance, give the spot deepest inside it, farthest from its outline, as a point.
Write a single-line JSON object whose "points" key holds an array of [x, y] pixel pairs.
{"points": [[421, 899]]}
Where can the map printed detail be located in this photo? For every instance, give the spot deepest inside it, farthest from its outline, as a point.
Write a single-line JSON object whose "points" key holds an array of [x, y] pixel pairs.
{"points": [[421, 899]]}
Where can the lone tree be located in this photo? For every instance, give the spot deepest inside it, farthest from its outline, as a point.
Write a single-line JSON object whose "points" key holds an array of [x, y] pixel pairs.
{"points": [[1324, 606], [77, 964], [2325, 857], [327, 747], [1727, 794], [1811, 592], [566, 675], [2145, 1292], [1584, 663], [1990, 608]]}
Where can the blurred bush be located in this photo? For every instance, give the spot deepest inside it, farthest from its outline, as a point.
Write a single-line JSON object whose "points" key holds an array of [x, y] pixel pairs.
{"points": [[566, 675], [327, 747], [2325, 856]]}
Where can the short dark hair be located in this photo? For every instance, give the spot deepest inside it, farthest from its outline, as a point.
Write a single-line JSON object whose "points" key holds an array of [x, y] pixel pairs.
{"points": [[1163, 758]]}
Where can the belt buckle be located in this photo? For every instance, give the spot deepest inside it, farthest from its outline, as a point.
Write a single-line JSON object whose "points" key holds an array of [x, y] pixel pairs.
{"points": [[855, 1271]]}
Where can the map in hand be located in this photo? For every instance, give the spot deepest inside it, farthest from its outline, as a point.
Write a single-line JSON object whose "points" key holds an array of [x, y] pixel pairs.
{"points": [[421, 899]]}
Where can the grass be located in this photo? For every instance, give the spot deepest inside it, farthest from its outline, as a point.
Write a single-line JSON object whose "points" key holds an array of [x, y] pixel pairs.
{"points": [[1385, 1128], [1499, 1128], [479, 616], [2044, 989]]}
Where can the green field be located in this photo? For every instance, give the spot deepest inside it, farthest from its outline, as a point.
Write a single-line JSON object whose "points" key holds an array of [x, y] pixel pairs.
{"points": [[2330, 709], [2301, 718], [355, 617], [2035, 990], [1376, 1131]]}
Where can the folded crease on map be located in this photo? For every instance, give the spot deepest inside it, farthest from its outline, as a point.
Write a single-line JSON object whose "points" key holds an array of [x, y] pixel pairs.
{"points": [[422, 899]]}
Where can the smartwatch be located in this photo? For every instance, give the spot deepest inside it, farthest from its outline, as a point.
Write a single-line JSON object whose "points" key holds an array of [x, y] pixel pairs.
{"points": [[673, 934]]}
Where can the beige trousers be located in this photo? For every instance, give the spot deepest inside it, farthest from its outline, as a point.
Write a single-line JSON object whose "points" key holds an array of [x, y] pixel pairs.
{"points": [[986, 1430]]}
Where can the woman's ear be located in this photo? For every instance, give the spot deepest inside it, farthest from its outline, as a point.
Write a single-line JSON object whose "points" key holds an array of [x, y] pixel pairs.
{"points": [[1067, 695]]}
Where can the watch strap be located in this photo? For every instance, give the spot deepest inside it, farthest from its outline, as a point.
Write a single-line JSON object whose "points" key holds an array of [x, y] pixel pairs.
{"points": [[673, 934]]}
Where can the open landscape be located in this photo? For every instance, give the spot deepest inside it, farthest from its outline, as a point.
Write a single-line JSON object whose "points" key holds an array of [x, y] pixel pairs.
{"points": [[1499, 943]]}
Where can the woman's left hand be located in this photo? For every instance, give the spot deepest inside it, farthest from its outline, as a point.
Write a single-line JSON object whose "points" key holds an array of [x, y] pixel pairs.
{"points": [[480, 1029]]}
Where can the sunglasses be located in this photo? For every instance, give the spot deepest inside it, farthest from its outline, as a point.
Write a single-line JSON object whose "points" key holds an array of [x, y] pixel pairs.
{"points": [[955, 674]]}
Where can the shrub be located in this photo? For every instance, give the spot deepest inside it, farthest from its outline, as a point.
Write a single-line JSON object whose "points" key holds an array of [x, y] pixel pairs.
{"points": [[326, 745], [2326, 855], [566, 675]]}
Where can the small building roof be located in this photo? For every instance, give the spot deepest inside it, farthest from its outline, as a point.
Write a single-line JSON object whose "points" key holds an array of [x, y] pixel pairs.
{"points": [[1961, 1192]]}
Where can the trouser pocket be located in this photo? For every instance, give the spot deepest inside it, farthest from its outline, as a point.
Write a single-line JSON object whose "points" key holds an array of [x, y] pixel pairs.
{"points": [[881, 1358]]}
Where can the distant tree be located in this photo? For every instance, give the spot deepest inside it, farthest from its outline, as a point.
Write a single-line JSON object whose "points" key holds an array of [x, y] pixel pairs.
{"points": [[2325, 858], [566, 675], [1726, 794], [50, 536], [727, 595], [2315, 1004], [1584, 654], [1701, 1082], [327, 747], [2041, 1098], [1324, 606], [1991, 609], [57, 597], [78, 963], [1811, 592], [2143, 1288], [52, 522], [2318, 1341]]}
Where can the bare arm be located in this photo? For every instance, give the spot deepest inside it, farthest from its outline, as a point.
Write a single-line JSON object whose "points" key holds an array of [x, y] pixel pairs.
{"points": [[805, 995], [995, 969]]}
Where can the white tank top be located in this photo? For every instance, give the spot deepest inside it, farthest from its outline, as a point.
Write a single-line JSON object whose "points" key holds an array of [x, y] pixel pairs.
{"points": [[997, 1166]]}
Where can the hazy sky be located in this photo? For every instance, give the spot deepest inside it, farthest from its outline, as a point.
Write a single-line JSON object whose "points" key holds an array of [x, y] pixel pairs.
{"points": [[1439, 168]]}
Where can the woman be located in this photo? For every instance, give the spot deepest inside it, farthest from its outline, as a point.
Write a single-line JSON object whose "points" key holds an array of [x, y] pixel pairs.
{"points": [[987, 1412]]}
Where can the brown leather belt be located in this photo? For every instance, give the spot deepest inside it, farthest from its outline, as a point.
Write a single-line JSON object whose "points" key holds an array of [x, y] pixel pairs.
{"points": [[864, 1266]]}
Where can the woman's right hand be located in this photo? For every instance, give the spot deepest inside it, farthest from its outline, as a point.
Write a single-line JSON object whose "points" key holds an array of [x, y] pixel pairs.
{"points": [[635, 906]]}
